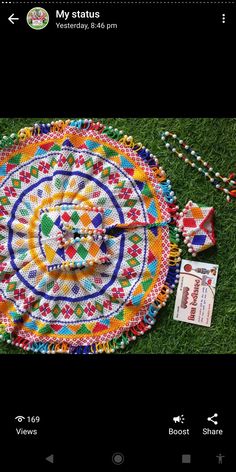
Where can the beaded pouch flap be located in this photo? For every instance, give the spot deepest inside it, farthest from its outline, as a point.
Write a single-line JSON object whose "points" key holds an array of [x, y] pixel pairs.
{"points": [[197, 226], [89, 244]]}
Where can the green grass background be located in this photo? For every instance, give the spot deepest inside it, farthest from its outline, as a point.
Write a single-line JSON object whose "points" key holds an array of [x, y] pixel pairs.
{"points": [[215, 140]]}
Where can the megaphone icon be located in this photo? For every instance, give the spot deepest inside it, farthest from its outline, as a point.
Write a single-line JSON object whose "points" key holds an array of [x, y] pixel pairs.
{"points": [[179, 419]]}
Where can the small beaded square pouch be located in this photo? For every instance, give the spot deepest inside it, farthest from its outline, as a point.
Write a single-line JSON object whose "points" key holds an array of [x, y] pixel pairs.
{"points": [[197, 226]]}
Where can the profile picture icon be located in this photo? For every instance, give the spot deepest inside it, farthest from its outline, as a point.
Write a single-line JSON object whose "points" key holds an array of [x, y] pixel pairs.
{"points": [[37, 18]]}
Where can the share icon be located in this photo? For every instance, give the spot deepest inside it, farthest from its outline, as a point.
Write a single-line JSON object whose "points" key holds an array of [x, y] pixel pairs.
{"points": [[211, 418]]}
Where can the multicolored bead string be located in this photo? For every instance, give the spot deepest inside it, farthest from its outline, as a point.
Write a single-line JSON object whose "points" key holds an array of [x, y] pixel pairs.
{"points": [[83, 231], [62, 242], [81, 206], [67, 266], [228, 186]]}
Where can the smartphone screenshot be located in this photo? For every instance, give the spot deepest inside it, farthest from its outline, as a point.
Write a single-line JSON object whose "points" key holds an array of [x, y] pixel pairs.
{"points": [[117, 235]]}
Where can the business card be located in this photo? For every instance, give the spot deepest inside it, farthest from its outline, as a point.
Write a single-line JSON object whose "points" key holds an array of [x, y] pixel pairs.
{"points": [[196, 292]]}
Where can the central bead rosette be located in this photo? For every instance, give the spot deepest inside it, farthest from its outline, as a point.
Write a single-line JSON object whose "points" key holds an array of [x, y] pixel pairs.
{"points": [[73, 237]]}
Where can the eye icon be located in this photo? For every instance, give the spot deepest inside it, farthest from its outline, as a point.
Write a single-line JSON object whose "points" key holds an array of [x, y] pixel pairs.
{"points": [[20, 418]]}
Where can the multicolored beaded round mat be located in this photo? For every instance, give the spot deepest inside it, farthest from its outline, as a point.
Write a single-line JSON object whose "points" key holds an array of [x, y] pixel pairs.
{"points": [[89, 246]]}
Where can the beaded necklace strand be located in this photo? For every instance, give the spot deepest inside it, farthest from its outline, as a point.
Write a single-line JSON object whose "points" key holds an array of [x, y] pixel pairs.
{"points": [[224, 184]]}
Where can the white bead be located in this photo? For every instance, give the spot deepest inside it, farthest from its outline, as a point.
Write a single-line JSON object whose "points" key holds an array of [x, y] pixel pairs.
{"points": [[173, 150], [167, 133], [205, 164], [199, 169], [190, 250], [217, 174], [186, 146], [217, 185], [163, 138], [167, 145], [193, 153], [174, 136], [193, 165], [186, 159], [211, 179], [180, 141], [210, 169], [225, 179], [226, 190], [180, 155], [198, 158]]}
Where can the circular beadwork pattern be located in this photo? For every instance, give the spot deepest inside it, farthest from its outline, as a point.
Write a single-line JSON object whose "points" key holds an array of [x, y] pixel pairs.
{"points": [[88, 245]]}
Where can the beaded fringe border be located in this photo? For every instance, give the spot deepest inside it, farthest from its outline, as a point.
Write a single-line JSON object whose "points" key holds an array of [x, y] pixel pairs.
{"points": [[174, 256]]}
